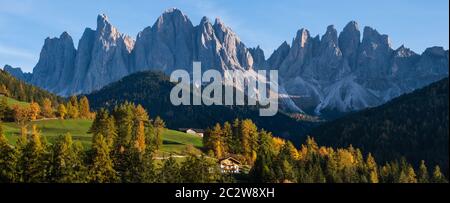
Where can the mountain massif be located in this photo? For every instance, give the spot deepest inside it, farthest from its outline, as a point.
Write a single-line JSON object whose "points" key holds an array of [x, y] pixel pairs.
{"points": [[332, 72], [414, 125]]}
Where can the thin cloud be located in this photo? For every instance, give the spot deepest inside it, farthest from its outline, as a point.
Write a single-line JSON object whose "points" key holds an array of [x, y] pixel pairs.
{"points": [[15, 56], [17, 53]]}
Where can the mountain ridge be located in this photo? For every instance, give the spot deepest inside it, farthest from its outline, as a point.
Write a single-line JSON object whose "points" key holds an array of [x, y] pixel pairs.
{"points": [[335, 71]]}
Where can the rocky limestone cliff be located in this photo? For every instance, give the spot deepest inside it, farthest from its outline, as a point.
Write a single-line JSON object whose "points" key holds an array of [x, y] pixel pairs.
{"points": [[333, 72]]}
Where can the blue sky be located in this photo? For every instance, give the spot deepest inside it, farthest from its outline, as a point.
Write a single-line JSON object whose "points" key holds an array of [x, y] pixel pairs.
{"points": [[25, 24]]}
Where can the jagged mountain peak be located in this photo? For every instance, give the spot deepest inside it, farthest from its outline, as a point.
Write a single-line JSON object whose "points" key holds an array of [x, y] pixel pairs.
{"points": [[65, 35], [284, 44], [402, 51], [371, 35], [330, 34], [205, 20], [172, 16], [302, 37], [103, 22], [436, 50], [351, 26], [311, 68]]}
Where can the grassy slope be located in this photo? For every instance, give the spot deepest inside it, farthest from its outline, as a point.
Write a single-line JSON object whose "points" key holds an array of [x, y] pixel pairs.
{"points": [[173, 141], [12, 102]]}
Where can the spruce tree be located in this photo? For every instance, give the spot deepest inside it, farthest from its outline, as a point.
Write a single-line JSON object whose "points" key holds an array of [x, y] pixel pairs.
{"points": [[84, 108], [33, 161], [422, 176], [104, 124], [67, 164], [62, 111], [47, 109], [169, 172], [438, 177], [372, 169], [262, 170], [101, 169], [8, 160], [159, 127]]}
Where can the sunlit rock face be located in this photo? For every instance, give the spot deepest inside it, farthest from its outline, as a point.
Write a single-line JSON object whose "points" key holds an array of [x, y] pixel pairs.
{"points": [[338, 71]]}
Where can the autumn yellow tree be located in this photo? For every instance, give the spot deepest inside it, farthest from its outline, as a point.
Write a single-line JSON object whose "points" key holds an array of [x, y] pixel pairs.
{"points": [[139, 137], [141, 114], [3, 90], [249, 139], [84, 110], [34, 110], [62, 111], [47, 109], [72, 110], [372, 169], [20, 114]]}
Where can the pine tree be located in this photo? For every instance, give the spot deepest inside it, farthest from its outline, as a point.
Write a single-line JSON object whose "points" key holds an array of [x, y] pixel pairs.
{"points": [[84, 109], [3, 90], [62, 111], [422, 176], [72, 110], [227, 137], [124, 117], [438, 177], [236, 147], [159, 127], [139, 140], [170, 172], [249, 139], [199, 170], [47, 110], [101, 169], [34, 110], [141, 114], [67, 164], [262, 170], [74, 101], [408, 175], [104, 124], [3, 107], [32, 163], [20, 115], [372, 169], [8, 160], [216, 141]]}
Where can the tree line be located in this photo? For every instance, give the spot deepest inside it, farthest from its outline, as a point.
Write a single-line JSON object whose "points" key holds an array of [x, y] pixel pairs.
{"points": [[73, 109], [276, 160], [19, 90], [124, 143]]}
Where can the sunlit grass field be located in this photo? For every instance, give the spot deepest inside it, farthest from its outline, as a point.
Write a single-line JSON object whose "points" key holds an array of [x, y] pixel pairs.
{"points": [[174, 142]]}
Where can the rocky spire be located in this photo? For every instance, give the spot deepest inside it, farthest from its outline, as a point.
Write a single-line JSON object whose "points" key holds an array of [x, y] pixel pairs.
{"points": [[349, 40], [278, 56], [259, 60], [55, 67], [299, 54], [103, 56], [167, 45]]}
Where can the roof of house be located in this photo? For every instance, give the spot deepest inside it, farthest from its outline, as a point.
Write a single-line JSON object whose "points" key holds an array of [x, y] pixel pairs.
{"points": [[194, 129], [230, 158]]}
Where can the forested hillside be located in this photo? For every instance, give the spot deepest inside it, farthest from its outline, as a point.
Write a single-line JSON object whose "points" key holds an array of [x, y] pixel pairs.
{"points": [[19, 90], [414, 125], [152, 90]]}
